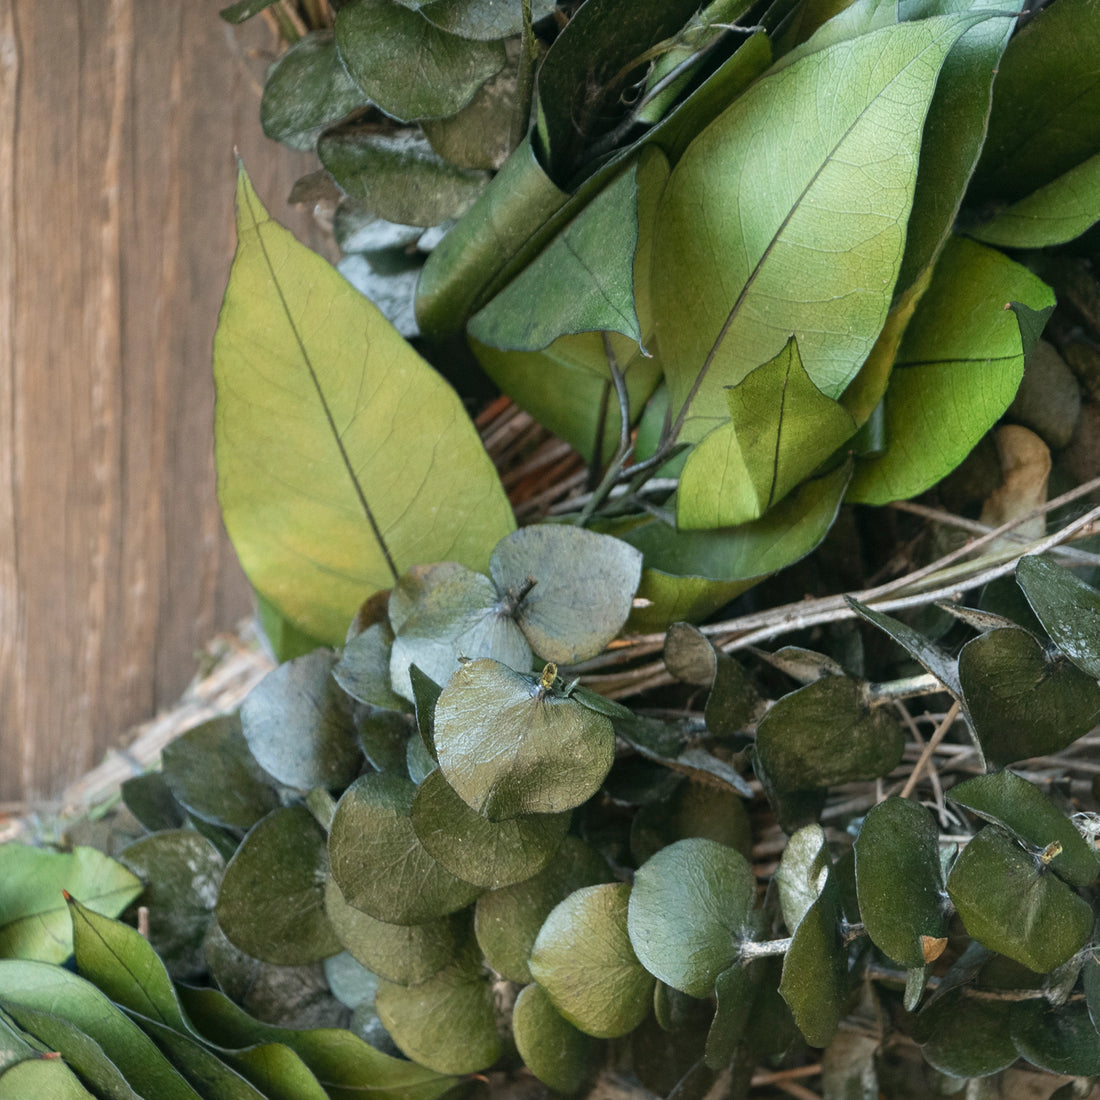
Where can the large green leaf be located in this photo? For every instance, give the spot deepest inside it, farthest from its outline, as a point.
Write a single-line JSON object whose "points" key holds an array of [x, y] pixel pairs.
{"points": [[781, 428], [34, 922], [1068, 608], [958, 369], [342, 457], [784, 219]]}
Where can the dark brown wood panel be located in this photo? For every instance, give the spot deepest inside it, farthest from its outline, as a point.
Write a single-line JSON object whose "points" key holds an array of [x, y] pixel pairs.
{"points": [[118, 123]]}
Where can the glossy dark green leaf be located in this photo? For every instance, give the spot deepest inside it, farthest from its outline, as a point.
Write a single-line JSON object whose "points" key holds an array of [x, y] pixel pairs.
{"points": [[584, 586], [1018, 806], [481, 19], [55, 990], [802, 872], [271, 903], [1010, 902], [342, 1062], [34, 922], [688, 910], [363, 670], [44, 1079], [407, 65], [584, 961], [149, 798], [399, 177], [1042, 122], [447, 1022], [967, 1036], [508, 746], [695, 810], [297, 723], [735, 991], [182, 872], [825, 733], [551, 1047], [781, 427], [957, 370], [379, 864], [212, 773], [402, 953], [1068, 608], [1058, 1039], [306, 90], [815, 970], [1023, 701], [487, 853], [507, 921], [899, 880]]}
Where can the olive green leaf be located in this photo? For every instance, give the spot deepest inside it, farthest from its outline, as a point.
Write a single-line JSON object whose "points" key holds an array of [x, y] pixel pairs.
{"points": [[402, 953], [34, 922], [790, 218], [899, 880], [688, 911], [551, 1047], [1058, 1039], [801, 874], [271, 903], [735, 990], [306, 90], [50, 1079], [447, 1022], [297, 723], [399, 177], [1024, 701], [825, 733], [1068, 608], [483, 20], [967, 1037], [584, 961], [379, 864], [211, 772], [16, 1045], [335, 382], [957, 370], [507, 921], [150, 800], [406, 64], [781, 428], [695, 809], [509, 745], [1012, 903]]}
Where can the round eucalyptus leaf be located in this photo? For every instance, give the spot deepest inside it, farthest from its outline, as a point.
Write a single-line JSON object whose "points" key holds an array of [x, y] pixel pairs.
{"points": [[379, 864], [297, 723], [824, 734], [487, 853], [1059, 1039], [735, 991], [446, 1023], [418, 760], [551, 1047], [212, 773], [733, 702], [352, 984], [271, 904], [1006, 799], [507, 921], [426, 694], [484, 20], [401, 953], [583, 959], [149, 798], [363, 670], [583, 592], [966, 1036], [1023, 701], [689, 655], [1010, 902], [801, 874], [688, 911], [1068, 608], [695, 809], [385, 735], [182, 871], [407, 65], [899, 879], [508, 746], [451, 615]]}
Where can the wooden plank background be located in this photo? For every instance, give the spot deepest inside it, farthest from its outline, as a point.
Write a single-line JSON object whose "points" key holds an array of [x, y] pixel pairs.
{"points": [[118, 121]]}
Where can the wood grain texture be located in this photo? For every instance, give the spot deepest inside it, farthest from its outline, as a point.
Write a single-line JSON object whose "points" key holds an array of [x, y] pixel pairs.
{"points": [[118, 122]]}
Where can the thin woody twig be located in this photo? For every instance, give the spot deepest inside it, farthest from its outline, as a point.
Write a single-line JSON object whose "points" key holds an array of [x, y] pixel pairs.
{"points": [[926, 754]]}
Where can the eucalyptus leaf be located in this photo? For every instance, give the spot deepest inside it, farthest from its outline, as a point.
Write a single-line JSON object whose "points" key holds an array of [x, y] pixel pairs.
{"points": [[385, 735], [1058, 1039], [271, 903], [363, 670], [735, 991], [1068, 608], [802, 872], [481, 19], [1010, 902], [689, 655], [351, 983], [487, 853], [510, 746], [695, 810], [551, 1047], [152, 803], [967, 1037], [34, 921], [426, 694], [1022, 700], [297, 723], [688, 911], [584, 961], [345, 381], [379, 864], [406, 64]]}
